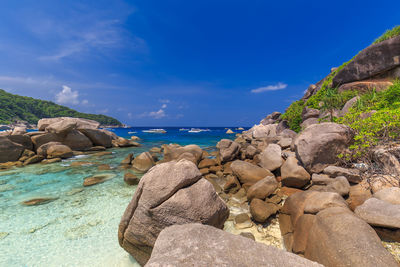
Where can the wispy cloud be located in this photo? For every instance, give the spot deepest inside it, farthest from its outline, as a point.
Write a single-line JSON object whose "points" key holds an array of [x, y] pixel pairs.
{"points": [[95, 37], [157, 114], [278, 86]]}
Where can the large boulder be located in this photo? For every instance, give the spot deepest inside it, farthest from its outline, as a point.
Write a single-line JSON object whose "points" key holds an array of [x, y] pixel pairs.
{"points": [[323, 200], [358, 194], [379, 213], [23, 140], [174, 152], [271, 157], [41, 139], [323, 183], [353, 175], [319, 145], [365, 86], [77, 141], [262, 131], [143, 162], [293, 174], [228, 150], [261, 211], [80, 123], [61, 127], [202, 245], [263, 188], [9, 151], [390, 195], [59, 151], [170, 193], [98, 137], [340, 238], [19, 130], [373, 60], [248, 173], [42, 150], [271, 118], [309, 113]]}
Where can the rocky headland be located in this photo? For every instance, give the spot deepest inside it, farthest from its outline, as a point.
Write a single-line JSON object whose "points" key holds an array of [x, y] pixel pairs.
{"points": [[309, 173]]}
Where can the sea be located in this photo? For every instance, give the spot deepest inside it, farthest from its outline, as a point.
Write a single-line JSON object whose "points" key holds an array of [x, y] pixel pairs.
{"points": [[79, 226]]}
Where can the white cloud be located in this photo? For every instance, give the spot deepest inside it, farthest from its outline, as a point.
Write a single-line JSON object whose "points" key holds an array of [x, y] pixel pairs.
{"points": [[157, 114], [166, 101], [85, 102], [67, 96], [164, 106], [276, 87]]}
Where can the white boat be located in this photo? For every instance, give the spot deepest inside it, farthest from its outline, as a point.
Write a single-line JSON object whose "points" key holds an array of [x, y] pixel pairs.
{"points": [[195, 130], [183, 129], [154, 131]]}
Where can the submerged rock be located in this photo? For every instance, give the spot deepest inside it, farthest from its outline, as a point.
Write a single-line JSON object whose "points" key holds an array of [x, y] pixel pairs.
{"points": [[131, 179], [96, 179], [38, 201]]}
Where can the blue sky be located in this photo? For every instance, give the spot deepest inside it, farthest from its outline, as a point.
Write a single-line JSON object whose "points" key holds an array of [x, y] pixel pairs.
{"points": [[181, 63]]}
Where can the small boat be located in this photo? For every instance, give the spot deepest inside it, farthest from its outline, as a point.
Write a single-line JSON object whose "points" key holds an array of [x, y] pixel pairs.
{"points": [[195, 130], [183, 129], [154, 131]]}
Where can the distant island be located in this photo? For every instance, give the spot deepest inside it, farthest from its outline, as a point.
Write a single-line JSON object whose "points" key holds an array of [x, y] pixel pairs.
{"points": [[22, 108]]}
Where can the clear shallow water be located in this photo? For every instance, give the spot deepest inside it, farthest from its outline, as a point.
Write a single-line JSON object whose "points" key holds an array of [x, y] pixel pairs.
{"points": [[79, 228]]}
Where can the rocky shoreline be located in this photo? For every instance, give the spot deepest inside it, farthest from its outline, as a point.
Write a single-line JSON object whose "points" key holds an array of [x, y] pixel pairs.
{"points": [[270, 176], [56, 139], [265, 187]]}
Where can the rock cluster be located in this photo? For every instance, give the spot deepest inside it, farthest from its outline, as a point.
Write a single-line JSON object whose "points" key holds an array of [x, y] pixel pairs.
{"points": [[57, 138]]}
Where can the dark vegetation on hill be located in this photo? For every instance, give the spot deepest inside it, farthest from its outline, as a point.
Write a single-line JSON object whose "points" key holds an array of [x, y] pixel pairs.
{"points": [[15, 107]]}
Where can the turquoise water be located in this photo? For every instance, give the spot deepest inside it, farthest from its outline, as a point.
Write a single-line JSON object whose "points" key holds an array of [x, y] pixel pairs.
{"points": [[79, 227]]}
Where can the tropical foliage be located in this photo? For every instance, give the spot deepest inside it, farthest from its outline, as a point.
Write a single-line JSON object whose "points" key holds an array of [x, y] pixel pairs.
{"points": [[15, 107], [375, 118]]}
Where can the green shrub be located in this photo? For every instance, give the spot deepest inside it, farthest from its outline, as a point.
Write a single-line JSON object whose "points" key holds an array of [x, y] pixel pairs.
{"points": [[381, 126], [314, 101], [293, 115], [395, 31]]}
